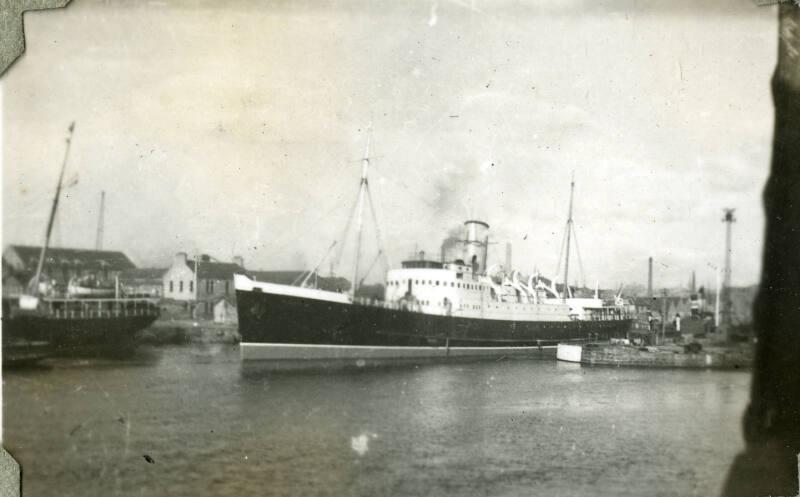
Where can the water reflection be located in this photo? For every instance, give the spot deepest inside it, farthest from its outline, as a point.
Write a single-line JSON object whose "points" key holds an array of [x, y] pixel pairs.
{"points": [[211, 425]]}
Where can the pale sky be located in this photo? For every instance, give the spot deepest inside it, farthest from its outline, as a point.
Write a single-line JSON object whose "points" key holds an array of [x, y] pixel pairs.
{"points": [[237, 129]]}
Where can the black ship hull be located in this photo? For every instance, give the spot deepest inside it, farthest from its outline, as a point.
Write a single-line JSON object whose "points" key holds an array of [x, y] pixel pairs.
{"points": [[284, 327], [44, 334]]}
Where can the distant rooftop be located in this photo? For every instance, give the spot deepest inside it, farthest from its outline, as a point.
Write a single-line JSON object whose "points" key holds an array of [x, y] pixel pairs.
{"points": [[28, 257], [209, 270], [142, 274], [331, 283]]}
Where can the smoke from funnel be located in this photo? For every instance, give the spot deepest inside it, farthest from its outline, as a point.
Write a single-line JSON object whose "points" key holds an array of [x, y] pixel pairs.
{"points": [[452, 246]]}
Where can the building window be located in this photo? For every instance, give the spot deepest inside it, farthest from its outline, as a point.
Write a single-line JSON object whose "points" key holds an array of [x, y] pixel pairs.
{"points": [[191, 286], [180, 286], [227, 287], [171, 286]]}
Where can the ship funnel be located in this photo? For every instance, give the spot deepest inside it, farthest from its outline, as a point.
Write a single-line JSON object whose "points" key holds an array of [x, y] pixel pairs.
{"points": [[475, 244]]}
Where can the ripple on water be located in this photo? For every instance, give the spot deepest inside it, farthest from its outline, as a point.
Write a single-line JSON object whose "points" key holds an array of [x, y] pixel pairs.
{"points": [[490, 428]]}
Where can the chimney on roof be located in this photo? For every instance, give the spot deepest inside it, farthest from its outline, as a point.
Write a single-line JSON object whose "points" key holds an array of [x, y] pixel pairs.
{"points": [[180, 257], [238, 260], [205, 258]]}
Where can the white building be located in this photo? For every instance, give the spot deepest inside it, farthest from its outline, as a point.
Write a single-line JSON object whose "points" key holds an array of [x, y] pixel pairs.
{"points": [[179, 280], [214, 280], [224, 312]]}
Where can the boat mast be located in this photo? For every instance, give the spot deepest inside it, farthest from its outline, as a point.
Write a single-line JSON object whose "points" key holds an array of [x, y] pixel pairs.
{"points": [[569, 231], [52, 213], [360, 207]]}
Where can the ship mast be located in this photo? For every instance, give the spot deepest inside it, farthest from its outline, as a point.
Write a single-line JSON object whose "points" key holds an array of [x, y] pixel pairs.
{"points": [[569, 231], [362, 190], [40, 265]]}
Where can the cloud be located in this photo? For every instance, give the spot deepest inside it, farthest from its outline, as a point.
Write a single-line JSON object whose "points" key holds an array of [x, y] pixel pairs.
{"points": [[241, 128]]}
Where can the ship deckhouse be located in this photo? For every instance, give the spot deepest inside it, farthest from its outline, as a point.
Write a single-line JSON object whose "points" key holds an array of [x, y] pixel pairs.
{"points": [[469, 290]]}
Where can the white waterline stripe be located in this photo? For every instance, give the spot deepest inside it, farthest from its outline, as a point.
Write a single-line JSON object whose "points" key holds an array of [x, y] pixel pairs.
{"points": [[390, 347]]}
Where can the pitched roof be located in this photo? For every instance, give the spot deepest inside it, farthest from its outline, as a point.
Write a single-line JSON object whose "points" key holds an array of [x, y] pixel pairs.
{"points": [[83, 258], [657, 301], [330, 283], [279, 277], [146, 273], [207, 270]]}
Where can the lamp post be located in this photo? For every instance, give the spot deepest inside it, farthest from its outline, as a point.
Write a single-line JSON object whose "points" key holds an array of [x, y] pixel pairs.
{"points": [[716, 295], [196, 280], [664, 315]]}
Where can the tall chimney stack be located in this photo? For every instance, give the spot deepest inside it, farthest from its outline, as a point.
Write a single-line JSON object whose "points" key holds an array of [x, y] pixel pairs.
{"points": [[650, 277], [508, 256]]}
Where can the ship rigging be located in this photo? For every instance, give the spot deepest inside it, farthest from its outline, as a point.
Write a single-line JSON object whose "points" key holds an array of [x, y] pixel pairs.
{"points": [[458, 307]]}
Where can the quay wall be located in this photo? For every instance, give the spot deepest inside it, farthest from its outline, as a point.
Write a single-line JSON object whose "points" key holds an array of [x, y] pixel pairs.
{"points": [[669, 358], [176, 331]]}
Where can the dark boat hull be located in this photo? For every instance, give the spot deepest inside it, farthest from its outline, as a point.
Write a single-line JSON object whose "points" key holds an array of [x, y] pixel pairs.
{"points": [[282, 327], [71, 336]]}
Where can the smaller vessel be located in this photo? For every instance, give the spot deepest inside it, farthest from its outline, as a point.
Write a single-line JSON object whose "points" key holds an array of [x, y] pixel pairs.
{"points": [[87, 318], [91, 287]]}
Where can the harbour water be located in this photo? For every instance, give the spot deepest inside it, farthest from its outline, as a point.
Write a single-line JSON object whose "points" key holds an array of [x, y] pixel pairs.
{"points": [[188, 421]]}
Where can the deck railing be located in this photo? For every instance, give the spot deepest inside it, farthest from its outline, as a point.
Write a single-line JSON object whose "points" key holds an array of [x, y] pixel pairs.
{"points": [[608, 314], [100, 308]]}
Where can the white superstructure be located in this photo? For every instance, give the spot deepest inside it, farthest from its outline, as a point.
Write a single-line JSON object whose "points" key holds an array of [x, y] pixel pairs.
{"points": [[453, 289], [469, 289]]}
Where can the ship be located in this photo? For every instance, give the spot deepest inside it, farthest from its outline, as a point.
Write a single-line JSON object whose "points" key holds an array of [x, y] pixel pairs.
{"points": [[86, 318], [431, 310]]}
